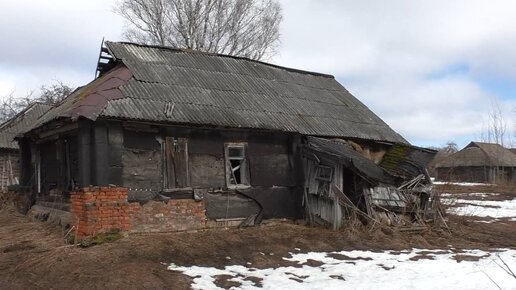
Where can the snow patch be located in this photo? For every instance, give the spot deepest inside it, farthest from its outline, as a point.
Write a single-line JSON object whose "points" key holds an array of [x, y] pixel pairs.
{"points": [[463, 183], [484, 208], [411, 269]]}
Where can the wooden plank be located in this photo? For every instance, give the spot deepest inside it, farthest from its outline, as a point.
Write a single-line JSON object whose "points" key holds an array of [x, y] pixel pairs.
{"points": [[61, 160], [84, 151], [169, 161], [181, 163], [101, 155], [346, 202]]}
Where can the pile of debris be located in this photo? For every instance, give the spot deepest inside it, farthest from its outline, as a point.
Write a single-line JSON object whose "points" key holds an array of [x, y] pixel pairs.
{"points": [[379, 183]]}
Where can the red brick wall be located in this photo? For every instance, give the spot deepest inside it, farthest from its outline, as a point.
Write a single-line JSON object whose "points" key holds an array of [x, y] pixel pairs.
{"points": [[106, 209], [175, 215], [100, 210]]}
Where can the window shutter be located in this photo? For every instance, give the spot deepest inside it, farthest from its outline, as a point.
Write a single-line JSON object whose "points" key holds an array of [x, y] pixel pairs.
{"points": [[181, 163], [169, 161], [176, 154]]}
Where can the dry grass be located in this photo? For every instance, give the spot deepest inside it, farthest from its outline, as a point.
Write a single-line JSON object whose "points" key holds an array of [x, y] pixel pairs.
{"points": [[29, 249]]}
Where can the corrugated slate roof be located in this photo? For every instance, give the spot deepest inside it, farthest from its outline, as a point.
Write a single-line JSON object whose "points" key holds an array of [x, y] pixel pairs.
{"points": [[346, 155], [185, 87], [20, 123], [407, 161], [480, 154]]}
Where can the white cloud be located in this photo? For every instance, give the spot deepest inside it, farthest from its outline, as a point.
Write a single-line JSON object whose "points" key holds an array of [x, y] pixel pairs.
{"points": [[52, 40], [398, 58]]}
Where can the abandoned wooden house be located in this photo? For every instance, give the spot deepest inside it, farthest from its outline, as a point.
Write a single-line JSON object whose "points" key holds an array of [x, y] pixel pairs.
{"points": [[9, 161], [478, 162], [177, 139]]}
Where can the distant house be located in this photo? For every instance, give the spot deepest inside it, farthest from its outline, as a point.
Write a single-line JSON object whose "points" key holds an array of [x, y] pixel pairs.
{"points": [[199, 139], [479, 162], [9, 161]]}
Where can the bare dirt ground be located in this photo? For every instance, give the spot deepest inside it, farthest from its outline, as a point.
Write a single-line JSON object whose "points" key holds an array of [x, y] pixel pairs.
{"points": [[33, 254]]}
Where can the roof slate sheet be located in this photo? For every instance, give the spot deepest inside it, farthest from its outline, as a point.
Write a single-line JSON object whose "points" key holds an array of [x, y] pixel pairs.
{"points": [[19, 123], [346, 155], [185, 87]]}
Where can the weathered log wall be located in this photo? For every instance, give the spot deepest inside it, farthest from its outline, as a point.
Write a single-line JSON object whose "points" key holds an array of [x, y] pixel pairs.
{"points": [[271, 167], [9, 168]]}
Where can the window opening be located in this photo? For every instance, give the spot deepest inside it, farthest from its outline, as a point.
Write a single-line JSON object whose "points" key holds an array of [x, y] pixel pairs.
{"points": [[237, 170], [324, 177]]}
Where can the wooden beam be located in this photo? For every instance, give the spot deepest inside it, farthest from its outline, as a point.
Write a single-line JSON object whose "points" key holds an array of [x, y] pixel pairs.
{"points": [[59, 130], [84, 144]]}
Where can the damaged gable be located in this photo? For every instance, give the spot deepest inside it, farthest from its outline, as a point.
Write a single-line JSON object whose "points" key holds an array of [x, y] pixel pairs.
{"points": [[397, 186]]}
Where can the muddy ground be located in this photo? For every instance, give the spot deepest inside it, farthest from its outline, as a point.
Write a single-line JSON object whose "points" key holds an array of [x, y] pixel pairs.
{"points": [[33, 254]]}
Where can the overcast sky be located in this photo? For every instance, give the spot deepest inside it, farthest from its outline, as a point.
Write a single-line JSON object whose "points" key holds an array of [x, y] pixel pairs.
{"points": [[430, 69]]}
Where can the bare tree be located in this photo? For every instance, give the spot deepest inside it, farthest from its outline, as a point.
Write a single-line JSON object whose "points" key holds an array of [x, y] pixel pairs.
{"points": [[495, 132], [8, 107], [442, 153], [247, 28], [49, 94], [54, 93], [495, 129]]}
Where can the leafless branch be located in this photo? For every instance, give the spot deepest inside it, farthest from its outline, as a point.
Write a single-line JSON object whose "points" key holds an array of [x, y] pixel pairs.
{"points": [[51, 94], [247, 28]]}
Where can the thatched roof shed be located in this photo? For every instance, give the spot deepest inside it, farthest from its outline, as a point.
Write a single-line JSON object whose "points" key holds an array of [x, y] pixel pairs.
{"points": [[480, 154]]}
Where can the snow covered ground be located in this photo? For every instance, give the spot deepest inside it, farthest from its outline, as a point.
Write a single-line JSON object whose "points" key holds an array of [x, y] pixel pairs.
{"points": [[437, 269], [462, 183], [478, 204], [495, 209], [409, 269]]}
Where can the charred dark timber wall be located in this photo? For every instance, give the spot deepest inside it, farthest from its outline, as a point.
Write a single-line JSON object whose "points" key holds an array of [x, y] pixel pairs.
{"points": [[133, 155], [136, 161]]}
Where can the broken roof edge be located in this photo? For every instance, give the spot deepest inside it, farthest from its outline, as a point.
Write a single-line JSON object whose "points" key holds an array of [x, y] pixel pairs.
{"points": [[192, 51], [79, 93], [208, 126], [346, 155]]}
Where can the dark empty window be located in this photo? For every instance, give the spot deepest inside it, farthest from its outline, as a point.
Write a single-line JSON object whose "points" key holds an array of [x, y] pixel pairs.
{"points": [[237, 171]]}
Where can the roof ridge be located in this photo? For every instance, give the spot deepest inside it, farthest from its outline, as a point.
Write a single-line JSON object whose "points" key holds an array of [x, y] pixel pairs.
{"points": [[193, 51]]}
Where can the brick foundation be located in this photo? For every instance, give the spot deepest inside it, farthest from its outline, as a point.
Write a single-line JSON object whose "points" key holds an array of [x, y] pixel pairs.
{"points": [[98, 210], [106, 209], [174, 215]]}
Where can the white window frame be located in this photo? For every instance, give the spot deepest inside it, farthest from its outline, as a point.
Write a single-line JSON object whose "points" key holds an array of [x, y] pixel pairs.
{"points": [[244, 166]]}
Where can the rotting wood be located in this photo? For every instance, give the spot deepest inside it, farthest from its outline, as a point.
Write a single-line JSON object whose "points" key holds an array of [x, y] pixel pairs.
{"points": [[347, 203], [181, 163], [59, 130], [176, 155], [169, 155]]}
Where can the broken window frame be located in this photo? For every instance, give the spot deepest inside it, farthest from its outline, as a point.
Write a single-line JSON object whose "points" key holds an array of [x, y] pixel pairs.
{"points": [[386, 197], [324, 181], [242, 168]]}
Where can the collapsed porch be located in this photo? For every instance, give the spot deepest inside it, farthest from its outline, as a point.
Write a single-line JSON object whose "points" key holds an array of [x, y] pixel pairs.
{"points": [[341, 182]]}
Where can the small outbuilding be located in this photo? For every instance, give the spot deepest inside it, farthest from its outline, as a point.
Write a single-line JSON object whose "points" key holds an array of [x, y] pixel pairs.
{"points": [[9, 153], [478, 162]]}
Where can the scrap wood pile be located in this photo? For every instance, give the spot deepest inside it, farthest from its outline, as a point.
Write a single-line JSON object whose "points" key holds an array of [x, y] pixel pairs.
{"points": [[411, 207]]}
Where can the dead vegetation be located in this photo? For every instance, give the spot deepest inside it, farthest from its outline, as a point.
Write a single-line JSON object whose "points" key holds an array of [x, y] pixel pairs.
{"points": [[29, 248]]}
